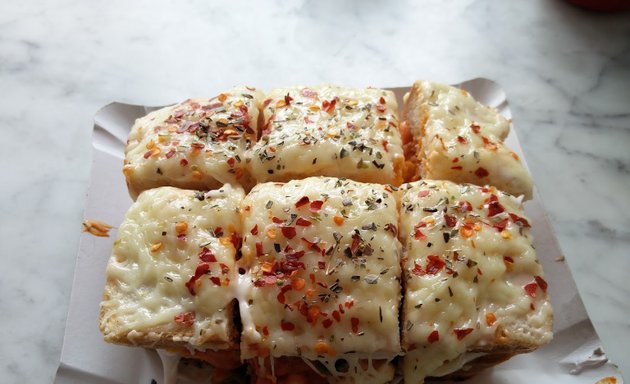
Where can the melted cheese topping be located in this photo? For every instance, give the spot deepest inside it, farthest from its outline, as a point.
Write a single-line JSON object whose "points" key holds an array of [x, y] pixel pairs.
{"points": [[197, 144], [167, 238], [322, 271], [329, 131], [170, 365], [461, 139], [471, 276]]}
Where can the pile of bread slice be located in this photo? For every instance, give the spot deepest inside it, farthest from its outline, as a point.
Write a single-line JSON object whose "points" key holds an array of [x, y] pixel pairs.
{"points": [[308, 235]]}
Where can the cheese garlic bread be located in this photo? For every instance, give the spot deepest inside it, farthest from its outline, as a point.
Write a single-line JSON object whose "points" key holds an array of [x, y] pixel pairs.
{"points": [[322, 281], [171, 274], [451, 136], [196, 144], [329, 131], [474, 290]]}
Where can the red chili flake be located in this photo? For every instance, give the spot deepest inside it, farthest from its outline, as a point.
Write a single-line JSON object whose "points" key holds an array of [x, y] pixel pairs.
{"points": [[380, 108], [307, 92], [303, 201], [254, 230], [224, 268], [277, 220], [450, 220], [457, 168], [455, 160], [349, 125], [199, 146], [312, 245], [170, 153], [462, 332], [181, 237], [336, 315], [541, 283], [266, 280], [316, 206], [218, 232], [424, 193], [231, 161], [212, 106], [465, 206], [532, 307], [266, 103], [310, 313], [281, 298], [479, 272], [288, 99], [489, 144], [265, 331], [207, 256], [433, 337], [187, 319], [236, 240], [288, 232], [291, 264], [500, 226], [329, 106], [508, 259], [356, 239], [302, 222], [183, 162], [434, 265], [148, 154], [531, 289], [475, 127], [461, 139], [259, 249], [321, 265], [520, 220], [385, 144], [327, 323], [216, 280], [417, 270], [201, 270], [494, 207], [381, 100], [286, 325], [481, 172], [419, 235], [354, 322]]}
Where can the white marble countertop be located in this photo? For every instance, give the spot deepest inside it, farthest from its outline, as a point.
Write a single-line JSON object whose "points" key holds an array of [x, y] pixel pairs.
{"points": [[566, 73]]}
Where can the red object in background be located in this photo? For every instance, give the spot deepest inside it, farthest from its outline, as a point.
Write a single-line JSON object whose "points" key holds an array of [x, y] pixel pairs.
{"points": [[602, 5]]}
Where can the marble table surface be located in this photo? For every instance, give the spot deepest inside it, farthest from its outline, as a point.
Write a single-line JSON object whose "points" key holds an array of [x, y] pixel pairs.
{"points": [[566, 73]]}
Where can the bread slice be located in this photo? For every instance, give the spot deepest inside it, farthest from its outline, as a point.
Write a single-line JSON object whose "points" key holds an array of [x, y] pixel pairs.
{"points": [[329, 131], [196, 144], [171, 272], [474, 289], [322, 277], [454, 137]]}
